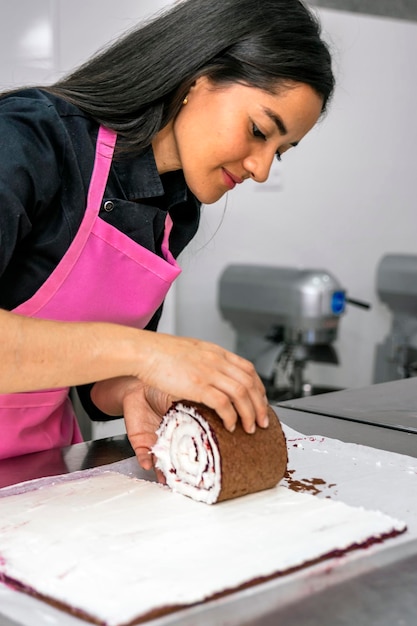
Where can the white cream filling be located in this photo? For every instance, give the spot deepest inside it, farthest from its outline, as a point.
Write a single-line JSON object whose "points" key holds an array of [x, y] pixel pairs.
{"points": [[187, 454]]}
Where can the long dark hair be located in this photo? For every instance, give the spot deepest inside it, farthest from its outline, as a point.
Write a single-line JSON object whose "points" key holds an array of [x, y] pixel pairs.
{"points": [[137, 84]]}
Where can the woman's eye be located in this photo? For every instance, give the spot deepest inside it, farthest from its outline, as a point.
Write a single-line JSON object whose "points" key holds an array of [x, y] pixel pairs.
{"points": [[257, 132]]}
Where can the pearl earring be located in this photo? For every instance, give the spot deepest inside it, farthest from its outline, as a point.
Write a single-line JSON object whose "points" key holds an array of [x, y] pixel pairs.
{"points": [[185, 101]]}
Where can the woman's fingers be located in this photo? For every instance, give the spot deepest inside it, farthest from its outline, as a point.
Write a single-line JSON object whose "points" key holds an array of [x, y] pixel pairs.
{"points": [[144, 458], [200, 371], [230, 385], [143, 409], [160, 476], [249, 410], [245, 386]]}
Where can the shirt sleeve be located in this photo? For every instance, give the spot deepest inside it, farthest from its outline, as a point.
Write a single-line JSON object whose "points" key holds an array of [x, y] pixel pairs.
{"points": [[32, 148]]}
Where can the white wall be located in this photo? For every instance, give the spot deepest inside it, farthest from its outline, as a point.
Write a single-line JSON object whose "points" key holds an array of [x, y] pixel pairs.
{"points": [[85, 26], [27, 35], [347, 197], [339, 201]]}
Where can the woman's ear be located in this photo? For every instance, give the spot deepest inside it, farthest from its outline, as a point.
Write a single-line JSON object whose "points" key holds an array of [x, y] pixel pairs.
{"points": [[201, 84]]}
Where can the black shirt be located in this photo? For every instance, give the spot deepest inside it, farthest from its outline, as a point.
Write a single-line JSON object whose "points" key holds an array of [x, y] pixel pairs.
{"points": [[47, 149]]}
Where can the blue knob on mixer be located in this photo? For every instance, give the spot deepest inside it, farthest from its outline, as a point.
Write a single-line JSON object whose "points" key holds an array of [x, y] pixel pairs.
{"points": [[338, 302]]}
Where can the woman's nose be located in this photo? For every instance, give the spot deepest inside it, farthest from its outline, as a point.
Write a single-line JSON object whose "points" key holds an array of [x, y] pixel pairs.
{"points": [[258, 166]]}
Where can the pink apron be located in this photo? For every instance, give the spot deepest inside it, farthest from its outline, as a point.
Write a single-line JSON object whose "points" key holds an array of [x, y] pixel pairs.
{"points": [[104, 276]]}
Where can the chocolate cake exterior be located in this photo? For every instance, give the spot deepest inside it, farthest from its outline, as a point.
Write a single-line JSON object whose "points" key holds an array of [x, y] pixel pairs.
{"points": [[242, 463]]}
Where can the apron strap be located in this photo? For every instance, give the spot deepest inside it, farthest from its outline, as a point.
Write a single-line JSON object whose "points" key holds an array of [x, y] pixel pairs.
{"points": [[106, 141], [165, 243]]}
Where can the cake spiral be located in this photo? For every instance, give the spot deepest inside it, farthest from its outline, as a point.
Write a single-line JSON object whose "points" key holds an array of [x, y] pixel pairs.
{"points": [[201, 459]]}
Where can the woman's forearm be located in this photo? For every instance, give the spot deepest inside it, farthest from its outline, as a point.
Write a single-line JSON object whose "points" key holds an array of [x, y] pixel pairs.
{"points": [[40, 354]]}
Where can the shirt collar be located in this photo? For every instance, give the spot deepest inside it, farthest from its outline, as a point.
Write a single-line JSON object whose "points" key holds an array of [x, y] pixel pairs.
{"points": [[140, 179]]}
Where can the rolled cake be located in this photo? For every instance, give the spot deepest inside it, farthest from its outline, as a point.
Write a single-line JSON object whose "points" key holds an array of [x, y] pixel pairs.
{"points": [[201, 459]]}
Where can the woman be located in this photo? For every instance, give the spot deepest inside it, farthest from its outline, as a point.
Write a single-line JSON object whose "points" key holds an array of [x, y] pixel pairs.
{"points": [[101, 180]]}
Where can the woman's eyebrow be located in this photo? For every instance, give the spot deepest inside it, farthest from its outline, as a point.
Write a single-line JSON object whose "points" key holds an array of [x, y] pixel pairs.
{"points": [[278, 123]]}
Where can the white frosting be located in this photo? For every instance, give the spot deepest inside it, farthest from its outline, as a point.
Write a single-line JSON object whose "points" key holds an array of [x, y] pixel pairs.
{"points": [[187, 454], [117, 547]]}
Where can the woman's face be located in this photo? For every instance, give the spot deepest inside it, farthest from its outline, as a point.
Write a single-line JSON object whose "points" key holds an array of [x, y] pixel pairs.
{"points": [[226, 134]]}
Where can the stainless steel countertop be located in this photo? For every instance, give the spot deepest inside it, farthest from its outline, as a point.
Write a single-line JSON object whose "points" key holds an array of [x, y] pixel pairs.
{"points": [[382, 416], [80, 456], [390, 405]]}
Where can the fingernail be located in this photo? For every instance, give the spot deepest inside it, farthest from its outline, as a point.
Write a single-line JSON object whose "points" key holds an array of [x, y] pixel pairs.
{"points": [[232, 428], [252, 429], [265, 422]]}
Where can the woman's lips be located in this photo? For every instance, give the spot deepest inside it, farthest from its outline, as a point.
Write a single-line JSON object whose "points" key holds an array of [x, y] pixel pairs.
{"points": [[230, 179]]}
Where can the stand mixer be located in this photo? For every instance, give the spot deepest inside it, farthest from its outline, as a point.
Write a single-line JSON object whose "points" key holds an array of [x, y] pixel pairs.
{"points": [[283, 318], [396, 282]]}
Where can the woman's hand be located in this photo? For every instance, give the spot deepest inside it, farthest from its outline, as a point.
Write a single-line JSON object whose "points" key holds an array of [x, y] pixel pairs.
{"points": [[142, 407], [200, 371], [181, 368]]}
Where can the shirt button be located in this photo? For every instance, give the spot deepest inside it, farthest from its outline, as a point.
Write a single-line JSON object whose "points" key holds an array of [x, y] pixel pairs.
{"points": [[108, 206]]}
